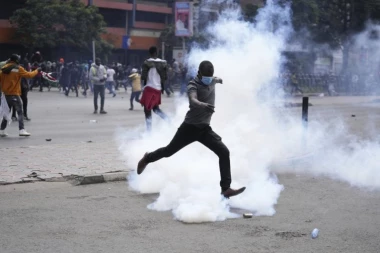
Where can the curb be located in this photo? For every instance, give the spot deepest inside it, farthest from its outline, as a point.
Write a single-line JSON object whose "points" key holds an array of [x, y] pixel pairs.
{"points": [[100, 178], [75, 179]]}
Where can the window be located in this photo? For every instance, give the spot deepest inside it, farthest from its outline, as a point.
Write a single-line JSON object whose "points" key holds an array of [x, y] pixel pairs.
{"points": [[150, 17], [113, 17]]}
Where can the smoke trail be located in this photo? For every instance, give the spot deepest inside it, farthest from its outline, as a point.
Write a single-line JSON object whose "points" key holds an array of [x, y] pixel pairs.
{"points": [[248, 58]]}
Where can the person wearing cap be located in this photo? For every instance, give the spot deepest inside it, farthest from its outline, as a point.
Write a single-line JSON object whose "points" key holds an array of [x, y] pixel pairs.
{"points": [[10, 82], [136, 87]]}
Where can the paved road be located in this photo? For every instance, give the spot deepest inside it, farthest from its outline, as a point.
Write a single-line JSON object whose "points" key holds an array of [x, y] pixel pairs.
{"points": [[79, 147], [67, 119], [60, 218]]}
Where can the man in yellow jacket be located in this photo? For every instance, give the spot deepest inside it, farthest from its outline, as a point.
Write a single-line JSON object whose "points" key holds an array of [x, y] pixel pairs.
{"points": [[10, 83], [136, 87]]}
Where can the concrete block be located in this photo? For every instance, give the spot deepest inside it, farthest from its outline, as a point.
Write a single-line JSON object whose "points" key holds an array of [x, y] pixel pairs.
{"points": [[91, 179]]}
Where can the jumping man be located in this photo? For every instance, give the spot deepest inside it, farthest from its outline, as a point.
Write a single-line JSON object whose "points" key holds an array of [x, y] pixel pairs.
{"points": [[196, 127]]}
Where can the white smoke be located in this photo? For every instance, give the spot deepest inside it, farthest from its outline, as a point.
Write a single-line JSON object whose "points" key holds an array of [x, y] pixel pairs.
{"points": [[260, 138]]}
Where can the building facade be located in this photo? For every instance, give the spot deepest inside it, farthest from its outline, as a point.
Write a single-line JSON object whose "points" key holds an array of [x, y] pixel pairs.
{"points": [[138, 21]]}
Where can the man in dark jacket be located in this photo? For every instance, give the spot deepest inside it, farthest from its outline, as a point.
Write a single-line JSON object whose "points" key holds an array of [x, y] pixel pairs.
{"points": [[153, 77]]}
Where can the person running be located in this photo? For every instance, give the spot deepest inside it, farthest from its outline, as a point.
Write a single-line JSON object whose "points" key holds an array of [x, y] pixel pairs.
{"points": [[98, 75], [196, 127], [153, 76], [136, 87], [110, 83], [10, 81]]}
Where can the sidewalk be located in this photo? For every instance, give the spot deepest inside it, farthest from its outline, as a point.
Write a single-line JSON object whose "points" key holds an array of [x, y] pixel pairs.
{"points": [[53, 162]]}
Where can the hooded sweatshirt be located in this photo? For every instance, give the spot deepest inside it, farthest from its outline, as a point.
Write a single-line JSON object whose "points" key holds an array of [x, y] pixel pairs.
{"points": [[10, 78], [98, 73], [154, 73]]}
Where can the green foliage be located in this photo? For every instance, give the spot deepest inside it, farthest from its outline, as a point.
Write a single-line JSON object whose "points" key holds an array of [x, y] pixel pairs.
{"points": [[332, 21], [50, 23]]}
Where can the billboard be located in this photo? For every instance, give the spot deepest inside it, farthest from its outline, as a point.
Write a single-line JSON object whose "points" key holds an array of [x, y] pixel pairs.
{"points": [[183, 19]]}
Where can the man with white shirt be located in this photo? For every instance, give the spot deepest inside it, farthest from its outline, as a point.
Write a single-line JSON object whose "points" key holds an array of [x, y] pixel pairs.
{"points": [[154, 74], [98, 76], [110, 80]]}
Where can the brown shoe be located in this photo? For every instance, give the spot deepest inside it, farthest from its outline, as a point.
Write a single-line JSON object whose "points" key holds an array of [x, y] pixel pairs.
{"points": [[142, 164], [231, 192]]}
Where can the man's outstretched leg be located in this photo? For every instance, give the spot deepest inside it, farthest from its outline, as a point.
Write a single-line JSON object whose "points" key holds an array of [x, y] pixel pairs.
{"points": [[185, 135], [214, 142]]}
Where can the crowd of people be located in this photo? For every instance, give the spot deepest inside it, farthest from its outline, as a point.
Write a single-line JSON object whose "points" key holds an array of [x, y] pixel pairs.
{"points": [[75, 77]]}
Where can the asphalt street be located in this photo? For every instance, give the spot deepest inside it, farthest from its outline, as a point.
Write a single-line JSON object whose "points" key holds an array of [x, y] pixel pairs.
{"points": [[67, 119], [60, 217], [109, 218]]}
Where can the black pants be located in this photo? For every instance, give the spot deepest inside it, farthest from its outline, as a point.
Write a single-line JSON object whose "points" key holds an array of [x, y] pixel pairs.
{"points": [[14, 101], [187, 134], [135, 96], [99, 90], [24, 99], [73, 84], [148, 116]]}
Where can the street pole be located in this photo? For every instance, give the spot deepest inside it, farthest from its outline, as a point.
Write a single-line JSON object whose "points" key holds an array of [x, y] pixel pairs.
{"points": [[93, 41], [93, 51], [183, 47], [163, 50]]}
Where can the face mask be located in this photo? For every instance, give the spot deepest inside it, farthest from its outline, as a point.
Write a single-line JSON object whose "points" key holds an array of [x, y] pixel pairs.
{"points": [[207, 80]]}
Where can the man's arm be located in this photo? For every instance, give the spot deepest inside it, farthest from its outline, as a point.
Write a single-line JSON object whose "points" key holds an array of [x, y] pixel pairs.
{"points": [[218, 80], [25, 74], [165, 72]]}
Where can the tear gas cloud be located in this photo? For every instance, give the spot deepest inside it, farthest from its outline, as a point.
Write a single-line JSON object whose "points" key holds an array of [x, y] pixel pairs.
{"points": [[247, 57]]}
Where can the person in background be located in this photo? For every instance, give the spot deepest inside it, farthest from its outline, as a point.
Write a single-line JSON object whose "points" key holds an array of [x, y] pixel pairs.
{"points": [[294, 84], [168, 87], [74, 78], [136, 87], [184, 80], [98, 76], [177, 72], [65, 78], [36, 57], [110, 83], [24, 99], [37, 80], [10, 82], [122, 77], [153, 77], [85, 81]]}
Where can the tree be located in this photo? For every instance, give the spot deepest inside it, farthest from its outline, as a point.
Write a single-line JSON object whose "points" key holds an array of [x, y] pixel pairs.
{"points": [[50, 23]]}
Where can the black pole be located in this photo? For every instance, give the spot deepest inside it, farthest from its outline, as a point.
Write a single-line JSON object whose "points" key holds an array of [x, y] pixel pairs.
{"points": [[134, 13], [305, 110]]}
